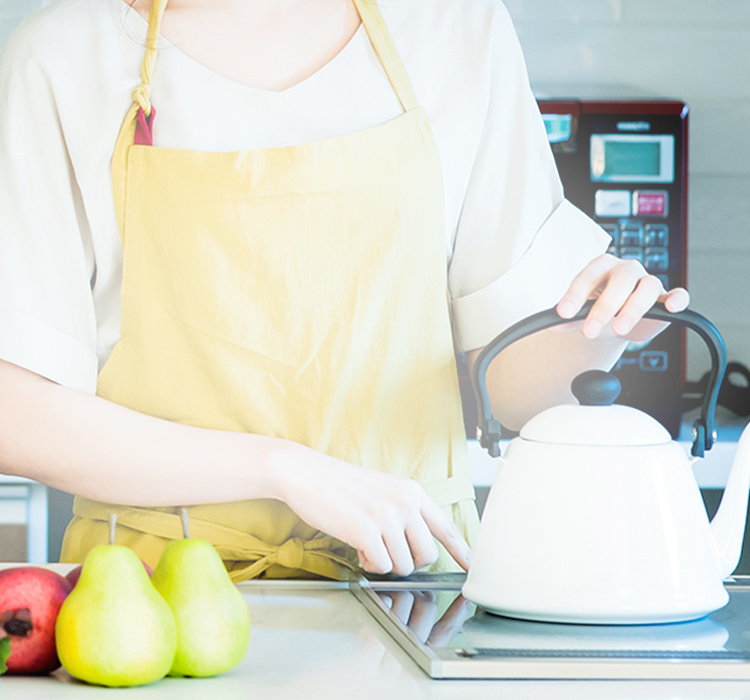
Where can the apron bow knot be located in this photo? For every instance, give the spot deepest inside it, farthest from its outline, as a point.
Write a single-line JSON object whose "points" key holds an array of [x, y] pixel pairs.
{"points": [[291, 553]]}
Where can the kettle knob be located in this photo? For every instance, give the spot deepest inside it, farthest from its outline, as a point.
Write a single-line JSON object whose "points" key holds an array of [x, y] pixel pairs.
{"points": [[596, 388]]}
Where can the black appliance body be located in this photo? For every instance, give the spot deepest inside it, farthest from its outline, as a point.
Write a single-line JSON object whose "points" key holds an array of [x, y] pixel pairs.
{"points": [[624, 163]]}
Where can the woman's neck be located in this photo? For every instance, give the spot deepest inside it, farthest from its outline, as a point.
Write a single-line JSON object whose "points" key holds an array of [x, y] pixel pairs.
{"points": [[266, 44], [260, 5]]}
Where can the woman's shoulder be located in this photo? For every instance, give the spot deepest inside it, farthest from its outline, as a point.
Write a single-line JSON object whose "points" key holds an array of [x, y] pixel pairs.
{"points": [[441, 13], [65, 31], [455, 29]]}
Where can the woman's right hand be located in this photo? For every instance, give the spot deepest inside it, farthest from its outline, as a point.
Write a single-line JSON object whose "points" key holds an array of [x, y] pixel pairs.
{"points": [[83, 444], [389, 520]]}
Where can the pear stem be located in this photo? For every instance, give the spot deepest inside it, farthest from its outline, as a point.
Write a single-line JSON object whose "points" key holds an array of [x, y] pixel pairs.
{"points": [[185, 523], [112, 527]]}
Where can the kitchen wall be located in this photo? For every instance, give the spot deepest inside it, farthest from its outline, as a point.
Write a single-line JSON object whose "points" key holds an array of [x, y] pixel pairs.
{"points": [[695, 51], [12, 12]]}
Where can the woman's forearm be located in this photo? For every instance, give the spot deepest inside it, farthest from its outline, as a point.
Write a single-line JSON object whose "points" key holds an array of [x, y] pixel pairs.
{"points": [[86, 445]]}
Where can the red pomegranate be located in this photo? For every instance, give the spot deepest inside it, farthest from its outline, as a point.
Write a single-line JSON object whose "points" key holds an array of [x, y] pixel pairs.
{"points": [[30, 598]]}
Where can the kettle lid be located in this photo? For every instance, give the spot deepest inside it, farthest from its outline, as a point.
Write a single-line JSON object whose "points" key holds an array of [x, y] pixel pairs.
{"points": [[596, 421]]}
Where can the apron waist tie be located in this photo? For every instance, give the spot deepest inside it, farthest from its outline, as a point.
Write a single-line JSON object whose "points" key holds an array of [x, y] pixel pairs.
{"points": [[321, 555], [248, 556]]}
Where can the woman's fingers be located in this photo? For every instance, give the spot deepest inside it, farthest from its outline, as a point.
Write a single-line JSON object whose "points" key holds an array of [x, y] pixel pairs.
{"points": [[613, 289], [445, 531], [411, 528], [624, 292], [421, 544], [373, 555], [389, 520], [629, 294], [586, 284], [400, 553], [407, 542], [677, 299], [402, 540]]}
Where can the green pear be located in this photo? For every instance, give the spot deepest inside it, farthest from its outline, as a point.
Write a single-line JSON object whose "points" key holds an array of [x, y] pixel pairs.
{"points": [[213, 619], [114, 628]]}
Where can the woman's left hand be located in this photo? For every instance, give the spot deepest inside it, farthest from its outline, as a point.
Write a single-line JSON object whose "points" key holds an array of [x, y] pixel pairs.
{"points": [[624, 292]]}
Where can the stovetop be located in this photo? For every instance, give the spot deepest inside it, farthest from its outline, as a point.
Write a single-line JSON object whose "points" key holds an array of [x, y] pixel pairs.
{"points": [[449, 637]]}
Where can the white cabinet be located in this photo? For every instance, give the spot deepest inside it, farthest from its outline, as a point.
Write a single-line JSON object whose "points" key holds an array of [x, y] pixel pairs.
{"points": [[24, 502]]}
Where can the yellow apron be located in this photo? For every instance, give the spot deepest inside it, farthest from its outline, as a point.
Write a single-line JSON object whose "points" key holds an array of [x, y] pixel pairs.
{"points": [[297, 292]]}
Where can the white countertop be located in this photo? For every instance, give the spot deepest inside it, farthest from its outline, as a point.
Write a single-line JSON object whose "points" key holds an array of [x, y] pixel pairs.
{"points": [[315, 640]]}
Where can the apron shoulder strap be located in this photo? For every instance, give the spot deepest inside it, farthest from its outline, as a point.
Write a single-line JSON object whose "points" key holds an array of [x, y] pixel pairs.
{"points": [[387, 53], [142, 94], [136, 127]]}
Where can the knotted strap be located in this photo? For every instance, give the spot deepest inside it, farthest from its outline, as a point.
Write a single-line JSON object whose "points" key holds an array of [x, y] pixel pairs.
{"points": [[143, 135], [246, 556], [142, 94]]}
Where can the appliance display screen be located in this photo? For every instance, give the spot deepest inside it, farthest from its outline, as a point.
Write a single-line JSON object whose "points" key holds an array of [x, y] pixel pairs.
{"points": [[632, 158], [559, 127]]}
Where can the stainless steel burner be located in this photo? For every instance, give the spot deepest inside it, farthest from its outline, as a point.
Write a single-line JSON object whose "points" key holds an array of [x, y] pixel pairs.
{"points": [[449, 637]]}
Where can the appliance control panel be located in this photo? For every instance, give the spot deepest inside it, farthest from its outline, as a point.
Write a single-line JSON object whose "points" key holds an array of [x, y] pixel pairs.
{"points": [[624, 163]]}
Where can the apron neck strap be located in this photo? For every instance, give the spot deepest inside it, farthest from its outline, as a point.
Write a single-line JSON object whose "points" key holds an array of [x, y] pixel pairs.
{"points": [[142, 94], [387, 53]]}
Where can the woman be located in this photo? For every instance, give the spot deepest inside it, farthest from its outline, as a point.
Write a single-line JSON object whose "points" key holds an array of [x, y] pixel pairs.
{"points": [[249, 316]]}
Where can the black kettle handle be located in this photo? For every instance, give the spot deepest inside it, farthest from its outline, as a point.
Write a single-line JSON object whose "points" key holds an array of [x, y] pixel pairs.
{"points": [[704, 435]]}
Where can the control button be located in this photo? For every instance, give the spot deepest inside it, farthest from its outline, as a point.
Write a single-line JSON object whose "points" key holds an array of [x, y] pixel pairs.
{"points": [[657, 259], [632, 254], [612, 202], [653, 361], [624, 362], [657, 235], [614, 231], [631, 235], [650, 202]]}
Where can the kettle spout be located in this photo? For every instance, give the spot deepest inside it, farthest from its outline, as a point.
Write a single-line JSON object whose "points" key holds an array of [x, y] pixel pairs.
{"points": [[728, 525]]}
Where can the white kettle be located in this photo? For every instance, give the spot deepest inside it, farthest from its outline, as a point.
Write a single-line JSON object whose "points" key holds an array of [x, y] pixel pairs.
{"points": [[595, 515]]}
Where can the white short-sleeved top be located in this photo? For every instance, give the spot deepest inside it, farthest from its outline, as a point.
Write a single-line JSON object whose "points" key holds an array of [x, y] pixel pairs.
{"points": [[513, 243]]}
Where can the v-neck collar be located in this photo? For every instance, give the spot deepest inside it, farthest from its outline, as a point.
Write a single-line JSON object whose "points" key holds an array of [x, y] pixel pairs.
{"points": [[299, 85]]}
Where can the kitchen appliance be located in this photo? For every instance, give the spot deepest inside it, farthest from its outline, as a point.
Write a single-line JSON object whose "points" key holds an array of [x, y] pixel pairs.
{"points": [[595, 515], [623, 161], [451, 638]]}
